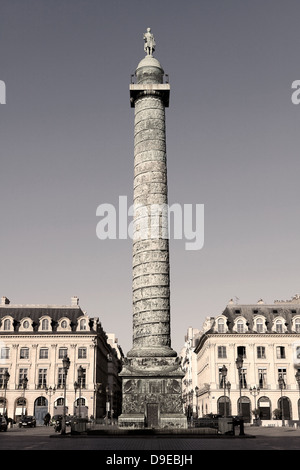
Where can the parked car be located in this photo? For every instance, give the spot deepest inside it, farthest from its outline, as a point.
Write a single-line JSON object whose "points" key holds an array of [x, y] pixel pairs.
{"points": [[27, 422], [3, 424]]}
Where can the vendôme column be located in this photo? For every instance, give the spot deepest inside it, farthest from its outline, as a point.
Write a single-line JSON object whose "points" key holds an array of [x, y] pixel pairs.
{"points": [[151, 374]]}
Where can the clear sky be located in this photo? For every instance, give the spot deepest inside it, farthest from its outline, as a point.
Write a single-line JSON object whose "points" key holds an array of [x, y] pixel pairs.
{"points": [[66, 143]]}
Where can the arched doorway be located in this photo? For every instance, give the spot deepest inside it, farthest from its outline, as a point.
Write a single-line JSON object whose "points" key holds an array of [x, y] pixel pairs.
{"points": [[3, 406], [80, 408], [264, 408], [20, 408], [40, 409], [244, 408], [58, 408], [224, 406], [284, 405]]}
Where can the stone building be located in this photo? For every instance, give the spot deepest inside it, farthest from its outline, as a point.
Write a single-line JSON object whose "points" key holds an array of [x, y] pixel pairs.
{"points": [[189, 366], [265, 339], [34, 339]]}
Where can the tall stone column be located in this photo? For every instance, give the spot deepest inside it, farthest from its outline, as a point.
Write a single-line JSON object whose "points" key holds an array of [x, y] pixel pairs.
{"points": [[151, 374]]}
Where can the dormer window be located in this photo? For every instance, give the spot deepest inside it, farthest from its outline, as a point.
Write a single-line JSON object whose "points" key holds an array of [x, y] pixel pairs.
{"points": [[64, 324], [259, 324], [83, 323], [7, 324], [240, 326], [279, 326], [221, 325], [26, 324], [45, 323]]}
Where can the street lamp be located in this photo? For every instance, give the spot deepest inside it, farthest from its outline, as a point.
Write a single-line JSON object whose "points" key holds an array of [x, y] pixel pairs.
{"points": [[228, 385], [239, 365], [97, 389], [24, 386], [50, 391], [281, 384], [66, 366], [76, 386], [254, 391], [80, 377], [5, 381]]}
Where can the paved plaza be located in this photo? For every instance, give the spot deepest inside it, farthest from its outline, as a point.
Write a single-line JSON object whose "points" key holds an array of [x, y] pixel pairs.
{"points": [[257, 438]]}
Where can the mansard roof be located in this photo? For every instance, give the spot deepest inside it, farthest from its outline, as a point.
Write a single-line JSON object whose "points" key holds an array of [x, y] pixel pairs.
{"points": [[36, 312], [270, 312]]}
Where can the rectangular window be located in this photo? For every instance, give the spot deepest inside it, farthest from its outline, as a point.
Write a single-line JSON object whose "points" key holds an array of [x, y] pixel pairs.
{"points": [[61, 378], [82, 353], [62, 352], [42, 378], [222, 352], [241, 351], [24, 353], [2, 372], [243, 379], [23, 374], [4, 353], [261, 352], [44, 353], [282, 375], [280, 352], [83, 378], [262, 378]]}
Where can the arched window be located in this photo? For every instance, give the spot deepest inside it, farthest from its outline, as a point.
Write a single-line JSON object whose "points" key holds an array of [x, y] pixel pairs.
{"points": [[82, 324], [7, 324], [259, 325], [297, 325], [279, 326], [240, 326], [221, 325], [45, 324]]}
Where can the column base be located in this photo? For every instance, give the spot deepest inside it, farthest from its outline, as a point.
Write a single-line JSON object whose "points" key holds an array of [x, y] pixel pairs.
{"points": [[152, 388]]}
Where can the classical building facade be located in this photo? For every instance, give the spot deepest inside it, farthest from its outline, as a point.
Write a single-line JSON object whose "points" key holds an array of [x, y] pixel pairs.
{"points": [[189, 366], [34, 340], [248, 362]]}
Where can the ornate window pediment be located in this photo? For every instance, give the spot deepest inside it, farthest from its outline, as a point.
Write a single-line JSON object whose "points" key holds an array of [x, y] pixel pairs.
{"points": [[64, 324], [45, 324], [221, 324], [259, 324], [7, 323], [240, 325], [83, 323], [279, 325], [26, 324]]}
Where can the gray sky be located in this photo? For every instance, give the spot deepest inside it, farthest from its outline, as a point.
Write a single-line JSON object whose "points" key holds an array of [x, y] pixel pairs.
{"points": [[66, 143]]}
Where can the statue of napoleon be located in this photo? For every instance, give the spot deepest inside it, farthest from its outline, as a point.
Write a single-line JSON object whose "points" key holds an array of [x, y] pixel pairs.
{"points": [[149, 46]]}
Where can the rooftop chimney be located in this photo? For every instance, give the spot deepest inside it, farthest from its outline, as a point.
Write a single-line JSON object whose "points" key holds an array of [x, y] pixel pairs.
{"points": [[74, 301], [5, 301]]}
